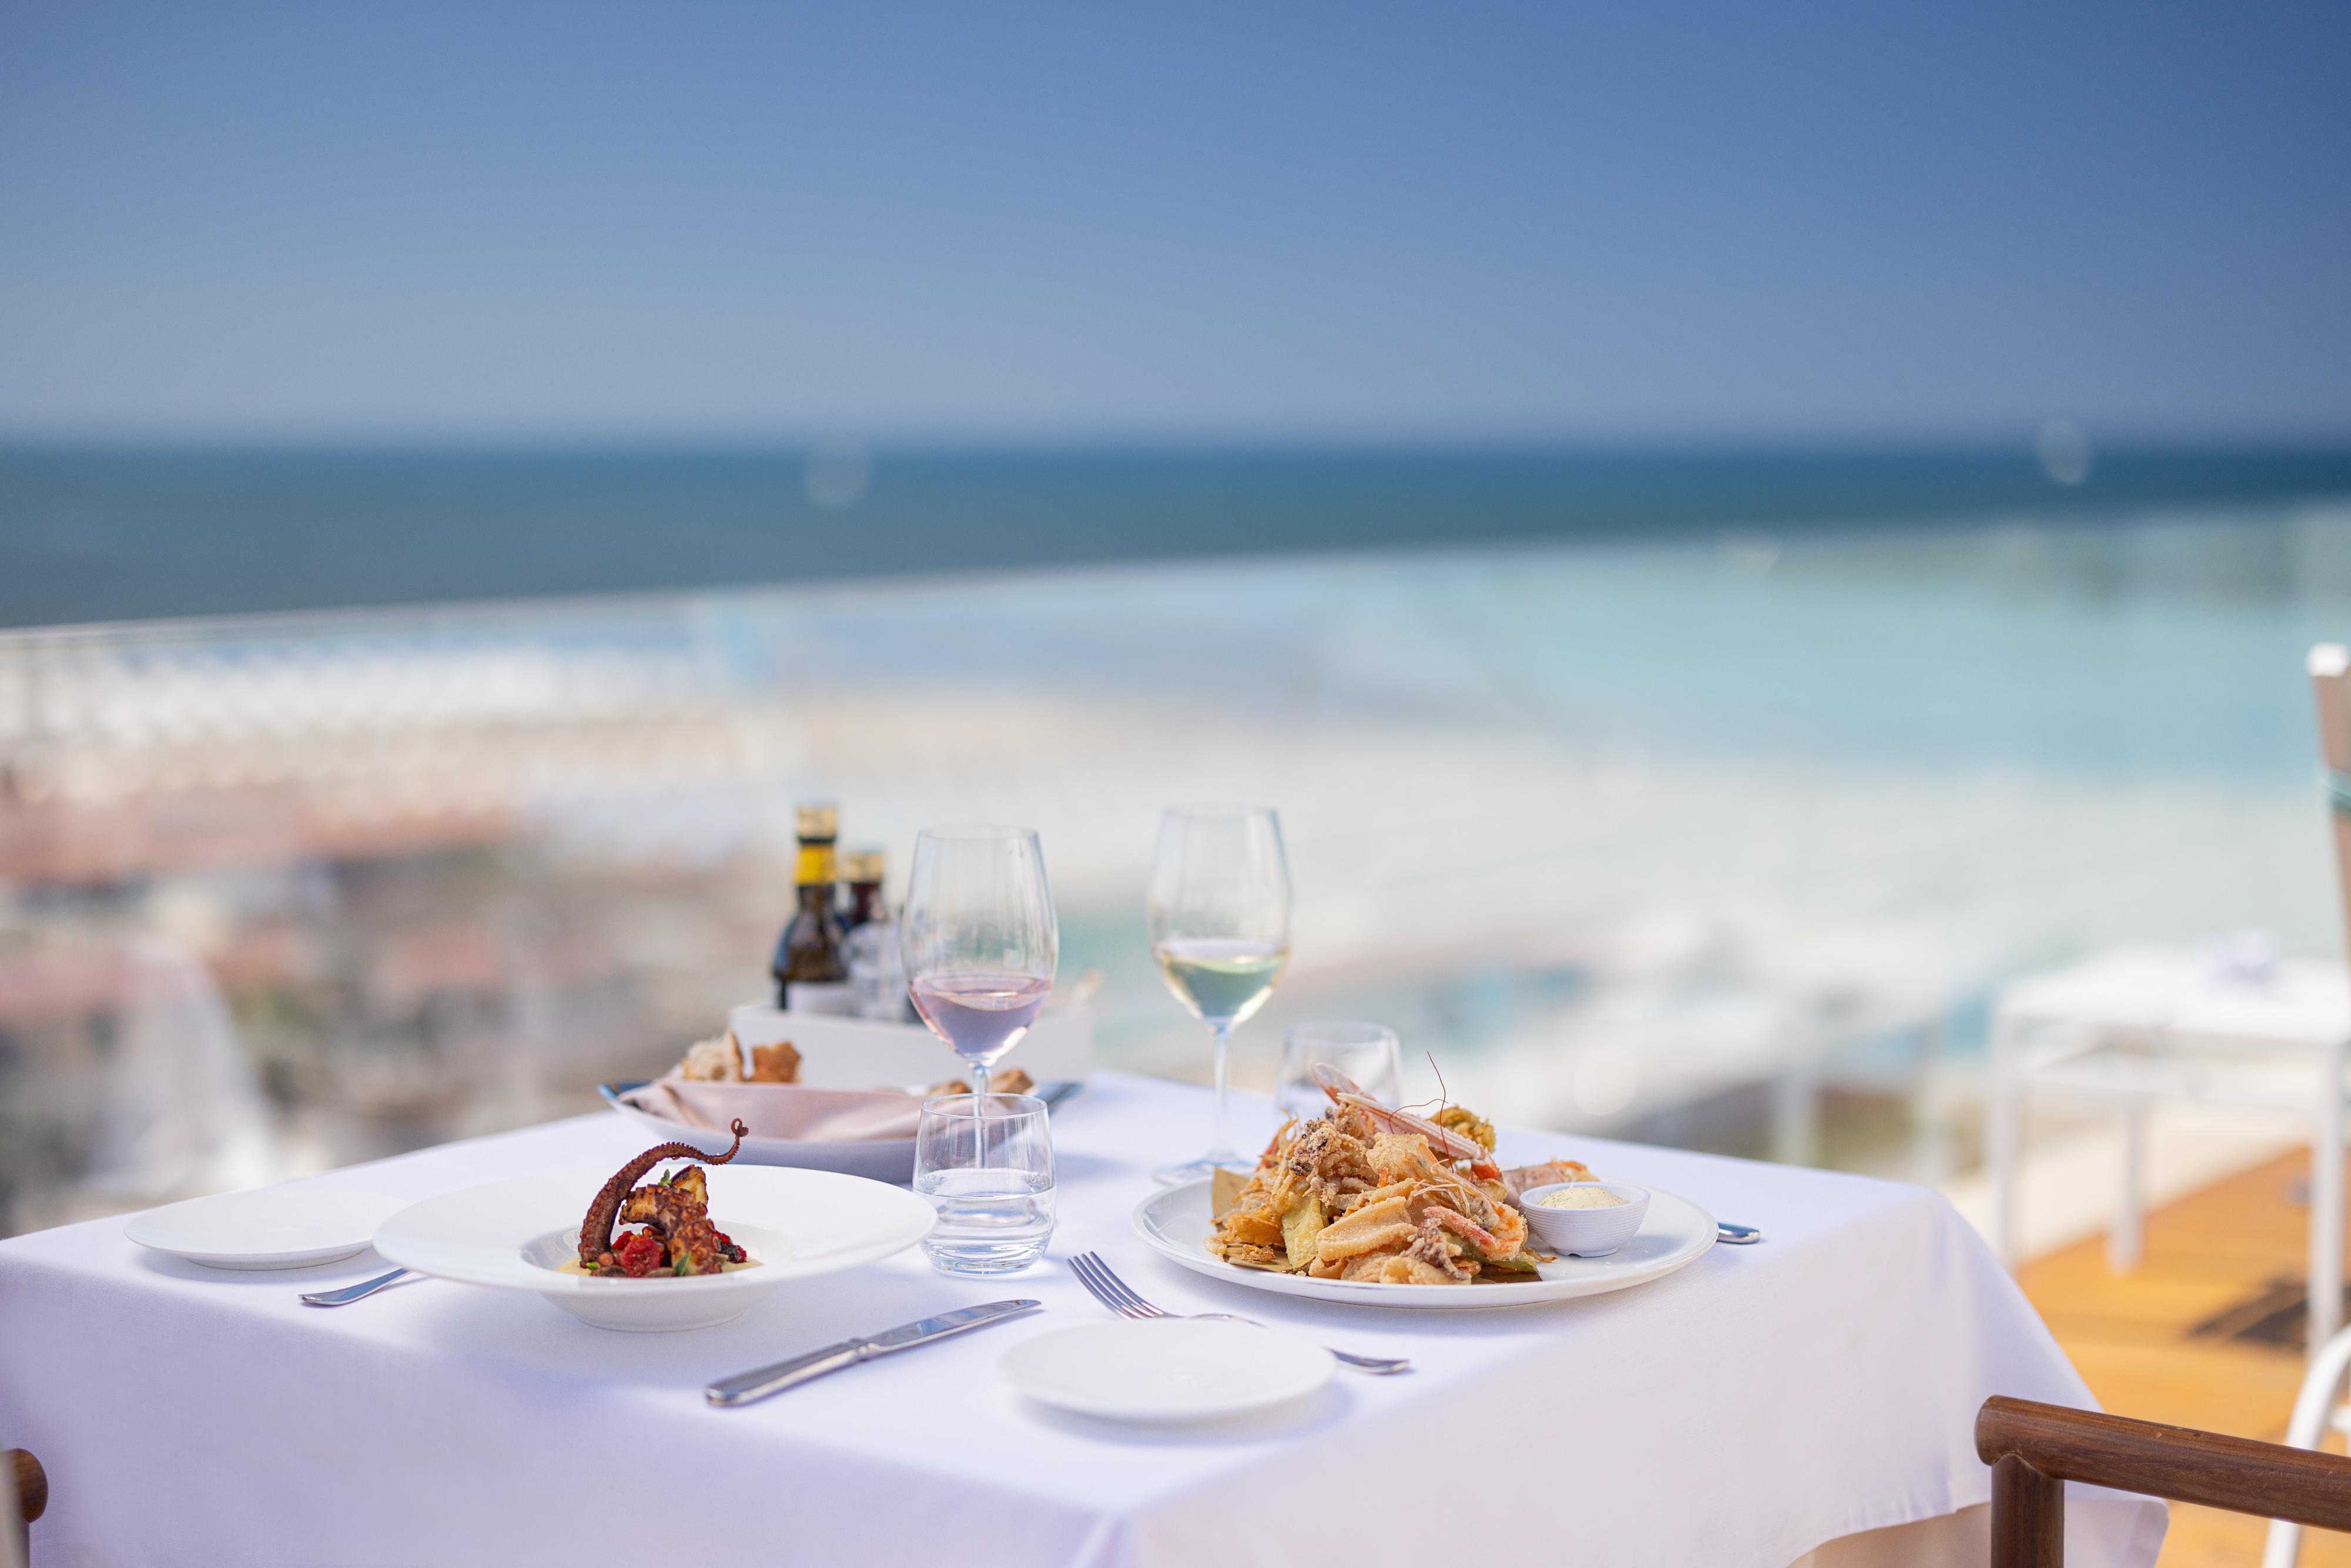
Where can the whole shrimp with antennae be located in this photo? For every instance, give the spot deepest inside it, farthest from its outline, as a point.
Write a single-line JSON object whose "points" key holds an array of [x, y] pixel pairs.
{"points": [[1345, 1091]]}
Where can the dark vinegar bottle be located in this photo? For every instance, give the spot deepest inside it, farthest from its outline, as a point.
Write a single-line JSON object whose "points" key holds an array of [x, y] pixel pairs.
{"points": [[812, 973]]}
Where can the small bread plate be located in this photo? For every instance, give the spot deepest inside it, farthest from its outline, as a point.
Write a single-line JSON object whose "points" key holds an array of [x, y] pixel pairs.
{"points": [[267, 1228], [518, 1235], [1674, 1234], [1168, 1369], [876, 1159]]}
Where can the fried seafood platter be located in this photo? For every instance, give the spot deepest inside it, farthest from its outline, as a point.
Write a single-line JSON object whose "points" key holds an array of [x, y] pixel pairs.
{"points": [[1365, 1192], [1369, 1204]]}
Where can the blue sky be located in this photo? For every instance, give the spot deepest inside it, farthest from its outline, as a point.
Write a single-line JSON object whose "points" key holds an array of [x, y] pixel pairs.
{"points": [[1557, 220]]}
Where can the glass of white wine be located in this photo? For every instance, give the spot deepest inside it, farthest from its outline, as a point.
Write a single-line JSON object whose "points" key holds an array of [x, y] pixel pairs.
{"points": [[1219, 916]]}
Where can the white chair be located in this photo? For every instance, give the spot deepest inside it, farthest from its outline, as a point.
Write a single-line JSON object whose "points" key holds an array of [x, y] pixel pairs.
{"points": [[2312, 1408], [2330, 677]]}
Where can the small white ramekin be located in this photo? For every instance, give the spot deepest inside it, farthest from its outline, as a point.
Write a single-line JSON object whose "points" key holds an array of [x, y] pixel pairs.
{"points": [[1585, 1232]]}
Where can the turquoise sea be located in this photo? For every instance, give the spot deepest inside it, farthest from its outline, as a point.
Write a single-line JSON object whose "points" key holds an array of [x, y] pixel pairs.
{"points": [[104, 534]]}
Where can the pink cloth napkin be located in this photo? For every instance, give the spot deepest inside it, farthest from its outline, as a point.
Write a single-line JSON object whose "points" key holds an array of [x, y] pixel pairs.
{"points": [[790, 1111]]}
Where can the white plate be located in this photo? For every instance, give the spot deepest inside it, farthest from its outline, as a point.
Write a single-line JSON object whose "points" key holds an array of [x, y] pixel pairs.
{"points": [[511, 1235], [1166, 1371], [268, 1227], [1673, 1234], [876, 1159]]}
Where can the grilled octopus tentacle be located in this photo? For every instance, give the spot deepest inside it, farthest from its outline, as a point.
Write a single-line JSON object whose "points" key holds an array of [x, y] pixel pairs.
{"points": [[595, 1230]]}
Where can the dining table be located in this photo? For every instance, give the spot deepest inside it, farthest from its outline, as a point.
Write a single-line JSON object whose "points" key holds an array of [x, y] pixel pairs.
{"points": [[1810, 1399]]}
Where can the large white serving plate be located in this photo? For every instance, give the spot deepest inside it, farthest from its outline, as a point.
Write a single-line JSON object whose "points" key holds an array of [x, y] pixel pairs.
{"points": [[876, 1159], [511, 1235], [1675, 1233]]}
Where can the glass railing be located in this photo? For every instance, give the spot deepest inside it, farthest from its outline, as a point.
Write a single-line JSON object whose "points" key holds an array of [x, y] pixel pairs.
{"points": [[1624, 838]]}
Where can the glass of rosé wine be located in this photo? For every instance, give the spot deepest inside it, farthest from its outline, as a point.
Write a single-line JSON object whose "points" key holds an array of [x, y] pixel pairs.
{"points": [[978, 939]]}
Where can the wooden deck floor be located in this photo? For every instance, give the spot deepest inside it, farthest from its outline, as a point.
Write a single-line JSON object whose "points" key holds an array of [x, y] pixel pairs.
{"points": [[2217, 1260]]}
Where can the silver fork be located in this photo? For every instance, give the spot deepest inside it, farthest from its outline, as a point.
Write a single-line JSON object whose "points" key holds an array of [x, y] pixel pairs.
{"points": [[349, 1293], [1112, 1292]]}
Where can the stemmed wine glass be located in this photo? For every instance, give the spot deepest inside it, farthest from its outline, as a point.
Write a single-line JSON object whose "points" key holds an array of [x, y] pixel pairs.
{"points": [[1219, 914], [978, 939]]}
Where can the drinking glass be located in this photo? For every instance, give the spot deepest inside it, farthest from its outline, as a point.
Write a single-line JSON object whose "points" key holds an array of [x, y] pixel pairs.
{"points": [[1365, 1052], [978, 939], [986, 1162], [1219, 917]]}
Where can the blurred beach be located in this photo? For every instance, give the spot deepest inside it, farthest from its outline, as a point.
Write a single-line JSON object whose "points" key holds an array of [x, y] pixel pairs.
{"points": [[1718, 836]]}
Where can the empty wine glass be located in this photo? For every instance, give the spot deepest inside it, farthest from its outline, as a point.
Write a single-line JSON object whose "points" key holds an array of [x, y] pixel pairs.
{"points": [[1219, 917], [978, 939]]}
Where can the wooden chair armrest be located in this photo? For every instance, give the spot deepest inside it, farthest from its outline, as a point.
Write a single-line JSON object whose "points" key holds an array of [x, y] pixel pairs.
{"points": [[32, 1483], [2034, 1449]]}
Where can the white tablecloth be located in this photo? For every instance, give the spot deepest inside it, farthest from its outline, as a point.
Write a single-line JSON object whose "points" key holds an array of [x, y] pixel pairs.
{"points": [[1762, 1402]]}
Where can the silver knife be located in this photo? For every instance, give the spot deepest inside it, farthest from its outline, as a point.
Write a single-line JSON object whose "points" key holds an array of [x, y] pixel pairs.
{"points": [[745, 1387]]}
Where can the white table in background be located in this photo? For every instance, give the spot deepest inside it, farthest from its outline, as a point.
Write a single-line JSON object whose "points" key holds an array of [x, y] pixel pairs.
{"points": [[2140, 1024], [1762, 1402]]}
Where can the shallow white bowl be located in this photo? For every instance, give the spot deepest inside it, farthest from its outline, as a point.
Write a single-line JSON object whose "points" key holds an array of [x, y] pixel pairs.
{"points": [[1586, 1232], [511, 1235], [1167, 1370], [267, 1228]]}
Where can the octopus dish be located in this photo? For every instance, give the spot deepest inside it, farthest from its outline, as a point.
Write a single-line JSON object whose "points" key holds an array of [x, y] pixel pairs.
{"points": [[677, 1238], [1365, 1192]]}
